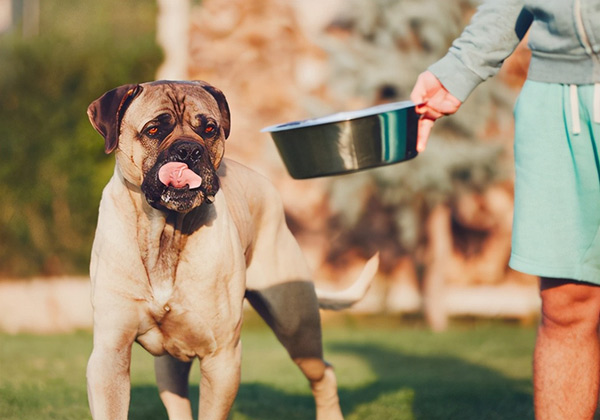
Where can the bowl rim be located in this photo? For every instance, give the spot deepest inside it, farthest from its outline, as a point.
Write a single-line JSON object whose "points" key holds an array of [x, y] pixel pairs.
{"points": [[340, 117]]}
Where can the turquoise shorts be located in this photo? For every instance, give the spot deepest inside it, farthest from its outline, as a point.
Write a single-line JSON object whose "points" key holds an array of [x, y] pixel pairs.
{"points": [[557, 186]]}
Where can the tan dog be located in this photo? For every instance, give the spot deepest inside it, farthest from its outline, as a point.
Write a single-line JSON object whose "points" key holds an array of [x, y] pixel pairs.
{"points": [[183, 237]]}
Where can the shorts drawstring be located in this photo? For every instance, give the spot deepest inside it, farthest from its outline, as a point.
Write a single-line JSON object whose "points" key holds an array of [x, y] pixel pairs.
{"points": [[574, 97], [575, 109]]}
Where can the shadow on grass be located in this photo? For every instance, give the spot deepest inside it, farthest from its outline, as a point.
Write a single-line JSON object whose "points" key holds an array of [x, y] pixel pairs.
{"points": [[146, 404], [255, 401], [435, 387], [407, 387]]}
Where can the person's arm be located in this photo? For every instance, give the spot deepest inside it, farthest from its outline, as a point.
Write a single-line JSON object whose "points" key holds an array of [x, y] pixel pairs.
{"points": [[493, 34]]}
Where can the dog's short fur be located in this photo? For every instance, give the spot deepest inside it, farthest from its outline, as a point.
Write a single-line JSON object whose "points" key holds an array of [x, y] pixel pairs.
{"points": [[171, 265]]}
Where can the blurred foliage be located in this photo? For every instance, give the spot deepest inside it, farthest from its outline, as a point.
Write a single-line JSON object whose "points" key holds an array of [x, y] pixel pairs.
{"points": [[52, 163]]}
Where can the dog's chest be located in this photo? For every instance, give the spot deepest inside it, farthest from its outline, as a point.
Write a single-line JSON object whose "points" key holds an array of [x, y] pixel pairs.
{"points": [[177, 328], [161, 244], [197, 285]]}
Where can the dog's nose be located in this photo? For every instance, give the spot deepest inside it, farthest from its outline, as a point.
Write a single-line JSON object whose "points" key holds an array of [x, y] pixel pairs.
{"points": [[188, 150]]}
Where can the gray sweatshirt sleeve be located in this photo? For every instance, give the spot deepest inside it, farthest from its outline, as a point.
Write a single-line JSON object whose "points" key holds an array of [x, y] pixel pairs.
{"points": [[493, 34]]}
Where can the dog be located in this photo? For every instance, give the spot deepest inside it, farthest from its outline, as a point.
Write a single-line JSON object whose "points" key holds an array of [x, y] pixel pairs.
{"points": [[184, 235]]}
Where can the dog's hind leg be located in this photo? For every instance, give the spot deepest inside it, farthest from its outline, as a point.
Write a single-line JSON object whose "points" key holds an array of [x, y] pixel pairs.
{"points": [[172, 377], [292, 311]]}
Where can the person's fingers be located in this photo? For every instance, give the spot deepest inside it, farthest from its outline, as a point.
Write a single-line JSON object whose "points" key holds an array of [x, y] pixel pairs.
{"points": [[421, 109], [431, 114], [432, 101], [447, 105], [443, 102], [417, 96], [425, 87], [424, 129], [439, 104]]}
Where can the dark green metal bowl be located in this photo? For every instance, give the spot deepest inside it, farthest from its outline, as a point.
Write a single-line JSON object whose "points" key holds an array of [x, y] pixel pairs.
{"points": [[348, 141]]}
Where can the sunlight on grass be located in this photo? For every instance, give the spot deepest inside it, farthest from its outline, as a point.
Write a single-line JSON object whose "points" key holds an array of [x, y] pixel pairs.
{"points": [[396, 405], [386, 370]]}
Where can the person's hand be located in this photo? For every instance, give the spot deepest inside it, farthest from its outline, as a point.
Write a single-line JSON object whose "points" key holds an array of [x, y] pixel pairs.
{"points": [[432, 102]]}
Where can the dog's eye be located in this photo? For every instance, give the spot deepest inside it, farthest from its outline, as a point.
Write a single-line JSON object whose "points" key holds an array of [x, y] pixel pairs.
{"points": [[210, 130], [159, 127], [155, 131]]}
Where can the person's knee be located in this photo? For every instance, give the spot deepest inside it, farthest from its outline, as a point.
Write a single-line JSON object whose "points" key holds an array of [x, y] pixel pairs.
{"points": [[569, 305]]}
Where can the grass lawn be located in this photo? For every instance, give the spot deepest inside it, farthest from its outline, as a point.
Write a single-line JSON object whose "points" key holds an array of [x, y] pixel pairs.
{"points": [[387, 369]]}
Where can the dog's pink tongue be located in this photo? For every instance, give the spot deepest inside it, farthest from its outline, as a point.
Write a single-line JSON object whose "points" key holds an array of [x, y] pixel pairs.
{"points": [[178, 175]]}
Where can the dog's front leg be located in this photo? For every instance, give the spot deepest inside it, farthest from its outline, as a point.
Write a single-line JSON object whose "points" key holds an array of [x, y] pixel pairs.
{"points": [[108, 367], [220, 382], [108, 383]]}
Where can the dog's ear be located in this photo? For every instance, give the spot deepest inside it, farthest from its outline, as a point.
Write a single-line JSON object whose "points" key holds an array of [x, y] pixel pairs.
{"points": [[106, 113], [223, 105]]}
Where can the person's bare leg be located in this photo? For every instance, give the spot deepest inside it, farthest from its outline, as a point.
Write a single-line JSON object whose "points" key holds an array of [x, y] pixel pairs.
{"points": [[566, 366]]}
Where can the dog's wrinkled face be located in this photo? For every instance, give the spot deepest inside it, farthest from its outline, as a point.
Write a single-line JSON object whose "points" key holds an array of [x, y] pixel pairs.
{"points": [[169, 139]]}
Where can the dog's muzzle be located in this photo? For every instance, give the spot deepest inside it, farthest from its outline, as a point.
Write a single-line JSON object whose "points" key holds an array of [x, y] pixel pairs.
{"points": [[182, 178]]}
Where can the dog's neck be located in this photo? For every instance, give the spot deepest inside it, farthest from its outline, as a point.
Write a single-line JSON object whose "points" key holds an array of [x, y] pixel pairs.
{"points": [[162, 235]]}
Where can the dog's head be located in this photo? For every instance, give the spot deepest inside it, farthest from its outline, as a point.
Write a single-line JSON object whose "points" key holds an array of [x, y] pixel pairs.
{"points": [[169, 139]]}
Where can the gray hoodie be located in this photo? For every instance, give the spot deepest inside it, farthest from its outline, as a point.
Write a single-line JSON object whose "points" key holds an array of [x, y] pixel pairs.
{"points": [[564, 38]]}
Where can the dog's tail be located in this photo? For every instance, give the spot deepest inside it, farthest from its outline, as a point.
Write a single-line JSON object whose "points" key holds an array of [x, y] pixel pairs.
{"points": [[337, 300]]}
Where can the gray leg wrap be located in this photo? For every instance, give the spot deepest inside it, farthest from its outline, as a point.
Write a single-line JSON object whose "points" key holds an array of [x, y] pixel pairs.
{"points": [[292, 311]]}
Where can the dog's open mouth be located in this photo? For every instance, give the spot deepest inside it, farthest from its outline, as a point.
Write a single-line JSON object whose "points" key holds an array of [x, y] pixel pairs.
{"points": [[173, 185], [181, 184], [178, 175], [180, 181]]}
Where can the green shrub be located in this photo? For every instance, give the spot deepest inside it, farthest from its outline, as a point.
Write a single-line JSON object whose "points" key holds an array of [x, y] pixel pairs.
{"points": [[52, 165]]}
